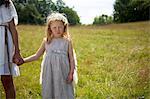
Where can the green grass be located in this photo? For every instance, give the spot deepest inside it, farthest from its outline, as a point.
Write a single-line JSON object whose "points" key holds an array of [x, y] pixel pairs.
{"points": [[113, 61]]}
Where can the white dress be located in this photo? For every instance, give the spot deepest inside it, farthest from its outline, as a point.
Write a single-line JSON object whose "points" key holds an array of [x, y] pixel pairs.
{"points": [[6, 15], [55, 69]]}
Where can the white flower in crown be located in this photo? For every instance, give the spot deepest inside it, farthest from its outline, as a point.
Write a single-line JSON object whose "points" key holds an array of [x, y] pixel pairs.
{"points": [[57, 17]]}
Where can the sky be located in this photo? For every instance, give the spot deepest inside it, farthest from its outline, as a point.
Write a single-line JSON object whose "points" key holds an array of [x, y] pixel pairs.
{"points": [[89, 9]]}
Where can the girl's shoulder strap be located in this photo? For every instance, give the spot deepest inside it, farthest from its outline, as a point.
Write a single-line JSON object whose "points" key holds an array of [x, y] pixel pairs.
{"points": [[44, 40]]}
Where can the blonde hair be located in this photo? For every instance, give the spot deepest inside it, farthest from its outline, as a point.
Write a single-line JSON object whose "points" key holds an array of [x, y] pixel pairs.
{"points": [[56, 17]]}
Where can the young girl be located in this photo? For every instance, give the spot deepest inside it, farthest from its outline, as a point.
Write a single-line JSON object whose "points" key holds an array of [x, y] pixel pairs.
{"points": [[58, 64], [9, 47]]}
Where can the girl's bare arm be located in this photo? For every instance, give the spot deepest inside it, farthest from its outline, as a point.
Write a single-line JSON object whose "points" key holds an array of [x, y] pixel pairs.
{"points": [[37, 54], [71, 63]]}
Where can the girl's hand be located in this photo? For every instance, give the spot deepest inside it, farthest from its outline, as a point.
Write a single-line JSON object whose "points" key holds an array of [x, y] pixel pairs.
{"points": [[70, 78]]}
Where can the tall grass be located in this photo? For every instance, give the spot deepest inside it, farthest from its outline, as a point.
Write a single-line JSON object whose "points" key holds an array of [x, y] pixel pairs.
{"points": [[113, 61]]}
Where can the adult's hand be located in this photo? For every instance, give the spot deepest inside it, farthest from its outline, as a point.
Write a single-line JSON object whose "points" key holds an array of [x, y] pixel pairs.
{"points": [[18, 59]]}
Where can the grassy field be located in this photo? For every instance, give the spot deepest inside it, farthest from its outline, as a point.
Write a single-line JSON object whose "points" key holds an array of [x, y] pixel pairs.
{"points": [[113, 61]]}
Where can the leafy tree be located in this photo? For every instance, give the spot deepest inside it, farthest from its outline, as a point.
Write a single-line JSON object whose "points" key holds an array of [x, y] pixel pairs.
{"points": [[121, 10], [45, 7], [29, 14], [103, 19], [36, 11], [141, 9], [72, 15], [131, 10], [60, 5]]}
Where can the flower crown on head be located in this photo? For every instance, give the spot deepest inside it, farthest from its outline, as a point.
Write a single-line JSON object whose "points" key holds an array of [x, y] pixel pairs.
{"points": [[57, 17]]}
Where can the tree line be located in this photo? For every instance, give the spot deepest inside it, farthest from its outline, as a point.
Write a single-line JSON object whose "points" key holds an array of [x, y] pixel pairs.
{"points": [[126, 11], [36, 11]]}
